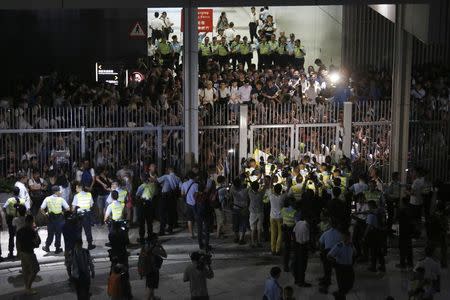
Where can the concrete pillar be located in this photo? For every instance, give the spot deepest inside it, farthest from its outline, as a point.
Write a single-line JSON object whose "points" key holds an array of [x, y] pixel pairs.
{"points": [[401, 87], [243, 131], [190, 88], [347, 123]]}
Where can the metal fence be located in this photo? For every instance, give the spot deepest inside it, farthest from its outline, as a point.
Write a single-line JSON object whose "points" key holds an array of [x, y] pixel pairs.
{"points": [[429, 138], [25, 149], [120, 135]]}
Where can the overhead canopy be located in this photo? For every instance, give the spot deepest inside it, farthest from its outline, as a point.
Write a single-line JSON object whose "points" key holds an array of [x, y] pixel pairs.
{"points": [[91, 4]]}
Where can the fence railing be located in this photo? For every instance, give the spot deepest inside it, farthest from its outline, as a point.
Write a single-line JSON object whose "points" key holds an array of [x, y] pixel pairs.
{"points": [[119, 135]]}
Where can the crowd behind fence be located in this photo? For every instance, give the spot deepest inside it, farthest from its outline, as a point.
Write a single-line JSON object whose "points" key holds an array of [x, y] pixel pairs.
{"points": [[134, 138]]}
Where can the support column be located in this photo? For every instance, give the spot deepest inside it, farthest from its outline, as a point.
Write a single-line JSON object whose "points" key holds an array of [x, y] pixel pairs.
{"points": [[401, 87], [243, 131], [347, 123], [190, 84]]}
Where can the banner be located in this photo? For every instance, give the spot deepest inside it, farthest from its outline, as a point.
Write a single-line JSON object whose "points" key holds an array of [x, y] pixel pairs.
{"points": [[204, 20]]}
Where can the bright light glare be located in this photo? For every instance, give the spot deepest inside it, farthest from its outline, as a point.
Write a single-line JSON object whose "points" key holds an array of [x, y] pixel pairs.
{"points": [[335, 77], [231, 151]]}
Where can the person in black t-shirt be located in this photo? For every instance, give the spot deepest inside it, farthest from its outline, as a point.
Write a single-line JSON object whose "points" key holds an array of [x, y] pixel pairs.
{"points": [[27, 240]]}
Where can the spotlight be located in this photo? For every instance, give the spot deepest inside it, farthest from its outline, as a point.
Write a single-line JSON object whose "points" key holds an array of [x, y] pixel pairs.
{"points": [[231, 151], [335, 77]]}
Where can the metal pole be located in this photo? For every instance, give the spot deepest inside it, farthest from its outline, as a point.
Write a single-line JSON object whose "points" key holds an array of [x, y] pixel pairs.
{"points": [[243, 131], [190, 93], [83, 141], [347, 122], [401, 85], [159, 143]]}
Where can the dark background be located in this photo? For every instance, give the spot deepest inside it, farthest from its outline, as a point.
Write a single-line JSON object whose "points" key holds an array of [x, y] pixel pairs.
{"points": [[37, 42]]}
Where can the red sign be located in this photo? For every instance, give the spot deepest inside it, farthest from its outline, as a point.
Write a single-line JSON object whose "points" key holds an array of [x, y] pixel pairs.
{"points": [[204, 22]]}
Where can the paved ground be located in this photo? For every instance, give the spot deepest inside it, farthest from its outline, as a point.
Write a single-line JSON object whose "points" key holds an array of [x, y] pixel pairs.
{"points": [[239, 274]]}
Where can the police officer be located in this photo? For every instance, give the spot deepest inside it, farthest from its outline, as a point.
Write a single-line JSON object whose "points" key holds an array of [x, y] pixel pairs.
{"points": [[246, 54], [206, 53], [288, 215], [342, 256], [10, 208], [115, 210], [82, 204], [145, 194], [374, 237], [55, 205], [327, 241], [165, 50], [222, 53], [168, 208]]}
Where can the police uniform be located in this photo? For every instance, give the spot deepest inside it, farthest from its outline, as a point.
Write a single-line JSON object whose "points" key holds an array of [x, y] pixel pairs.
{"points": [[83, 202], [222, 54], [375, 241], [345, 275], [235, 53], [165, 49], [299, 57], [328, 240], [264, 55], [206, 53], [288, 216], [54, 205], [115, 211], [145, 192], [10, 208], [245, 54]]}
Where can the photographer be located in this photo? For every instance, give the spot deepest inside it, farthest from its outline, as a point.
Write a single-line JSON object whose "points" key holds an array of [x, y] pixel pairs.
{"points": [[197, 273]]}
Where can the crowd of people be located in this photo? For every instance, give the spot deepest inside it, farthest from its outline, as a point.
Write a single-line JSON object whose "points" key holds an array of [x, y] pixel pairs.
{"points": [[334, 208]]}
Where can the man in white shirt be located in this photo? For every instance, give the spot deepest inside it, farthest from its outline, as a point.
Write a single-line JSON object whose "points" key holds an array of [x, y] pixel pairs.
{"points": [[302, 237], [23, 178], [244, 92], [230, 33], [167, 27], [156, 26], [253, 24]]}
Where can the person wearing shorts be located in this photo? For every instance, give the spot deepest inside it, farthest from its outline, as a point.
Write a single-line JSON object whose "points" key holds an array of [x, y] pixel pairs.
{"points": [[256, 213]]}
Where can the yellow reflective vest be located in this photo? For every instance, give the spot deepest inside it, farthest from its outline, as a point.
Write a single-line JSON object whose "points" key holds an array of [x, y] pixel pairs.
{"points": [[10, 203]]}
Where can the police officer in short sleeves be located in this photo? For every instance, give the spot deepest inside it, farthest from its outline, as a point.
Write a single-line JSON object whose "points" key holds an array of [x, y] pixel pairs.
{"points": [[55, 205], [327, 241], [82, 204], [342, 255]]}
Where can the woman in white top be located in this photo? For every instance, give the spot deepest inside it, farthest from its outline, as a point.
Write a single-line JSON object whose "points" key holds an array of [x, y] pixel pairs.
{"points": [[235, 97]]}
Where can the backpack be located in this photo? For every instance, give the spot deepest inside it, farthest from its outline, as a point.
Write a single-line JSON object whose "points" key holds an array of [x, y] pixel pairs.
{"points": [[86, 177], [115, 285]]}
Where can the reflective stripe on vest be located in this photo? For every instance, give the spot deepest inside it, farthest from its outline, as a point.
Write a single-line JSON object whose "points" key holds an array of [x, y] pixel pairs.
{"points": [[298, 52], [288, 216], [122, 196], [116, 210], [10, 209], [54, 205], [84, 200], [264, 49], [206, 50], [297, 191], [245, 49], [222, 51]]}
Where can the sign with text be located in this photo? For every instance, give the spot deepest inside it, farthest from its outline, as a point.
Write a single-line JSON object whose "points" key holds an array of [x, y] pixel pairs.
{"points": [[108, 73], [204, 20]]}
